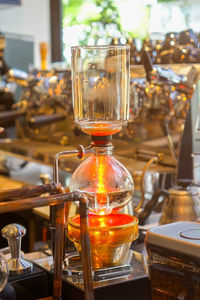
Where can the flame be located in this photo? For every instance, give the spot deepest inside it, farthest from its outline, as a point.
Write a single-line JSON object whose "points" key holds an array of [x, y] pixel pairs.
{"points": [[101, 172], [98, 170], [101, 190], [102, 222], [102, 212]]}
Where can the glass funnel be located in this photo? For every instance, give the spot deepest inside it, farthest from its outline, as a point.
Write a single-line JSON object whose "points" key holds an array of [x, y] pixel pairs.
{"points": [[100, 88], [105, 182]]}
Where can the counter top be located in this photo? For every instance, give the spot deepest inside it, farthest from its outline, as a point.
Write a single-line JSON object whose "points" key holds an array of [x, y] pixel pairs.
{"points": [[7, 183]]}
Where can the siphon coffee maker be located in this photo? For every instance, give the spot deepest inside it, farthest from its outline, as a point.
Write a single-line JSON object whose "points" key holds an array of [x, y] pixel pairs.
{"points": [[101, 183], [100, 85], [100, 78]]}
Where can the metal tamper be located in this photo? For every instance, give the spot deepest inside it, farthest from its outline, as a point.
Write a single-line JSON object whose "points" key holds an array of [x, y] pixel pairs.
{"points": [[16, 264]]}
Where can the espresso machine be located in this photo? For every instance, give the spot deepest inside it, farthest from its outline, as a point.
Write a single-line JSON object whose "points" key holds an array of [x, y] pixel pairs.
{"points": [[31, 104], [181, 201]]}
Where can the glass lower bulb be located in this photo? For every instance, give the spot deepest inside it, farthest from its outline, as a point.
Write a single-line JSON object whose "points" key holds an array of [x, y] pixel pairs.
{"points": [[105, 182]]}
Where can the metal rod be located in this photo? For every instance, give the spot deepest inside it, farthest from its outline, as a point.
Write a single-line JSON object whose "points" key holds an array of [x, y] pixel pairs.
{"points": [[30, 191], [79, 152], [23, 204], [52, 225], [85, 250], [58, 251], [57, 157]]}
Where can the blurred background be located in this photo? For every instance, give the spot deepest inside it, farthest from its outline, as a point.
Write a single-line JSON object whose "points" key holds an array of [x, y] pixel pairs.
{"points": [[63, 23], [36, 107]]}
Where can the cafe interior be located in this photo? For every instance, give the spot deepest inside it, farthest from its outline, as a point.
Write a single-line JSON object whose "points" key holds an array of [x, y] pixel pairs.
{"points": [[99, 149]]}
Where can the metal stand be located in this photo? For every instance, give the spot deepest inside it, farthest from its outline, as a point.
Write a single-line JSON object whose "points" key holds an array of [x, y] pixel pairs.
{"points": [[57, 200]]}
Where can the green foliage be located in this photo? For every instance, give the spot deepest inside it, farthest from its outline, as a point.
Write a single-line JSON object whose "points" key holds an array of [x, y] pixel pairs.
{"points": [[165, 1], [105, 16], [70, 10]]}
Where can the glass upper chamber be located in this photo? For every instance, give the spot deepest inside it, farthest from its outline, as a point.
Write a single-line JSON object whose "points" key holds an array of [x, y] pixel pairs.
{"points": [[100, 89], [100, 80]]}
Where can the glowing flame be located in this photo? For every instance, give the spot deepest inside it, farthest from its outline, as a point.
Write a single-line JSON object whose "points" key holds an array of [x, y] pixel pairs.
{"points": [[101, 172], [101, 191]]}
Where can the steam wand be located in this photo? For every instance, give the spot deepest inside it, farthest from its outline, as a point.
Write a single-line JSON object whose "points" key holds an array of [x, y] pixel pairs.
{"points": [[165, 128], [155, 158]]}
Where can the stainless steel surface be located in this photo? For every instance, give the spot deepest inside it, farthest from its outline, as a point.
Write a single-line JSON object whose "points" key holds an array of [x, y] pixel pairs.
{"points": [[136, 267], [16, 264], [173, 258], [181, 205], [72, 268], [174, 237]]}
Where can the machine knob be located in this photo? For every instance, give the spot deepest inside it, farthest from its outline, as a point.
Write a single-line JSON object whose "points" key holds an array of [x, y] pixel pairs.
{"points": [[45, 178], [16, 264]]}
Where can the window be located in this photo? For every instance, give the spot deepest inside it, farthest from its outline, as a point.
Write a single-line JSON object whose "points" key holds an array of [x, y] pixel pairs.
{"points": [[90, 22], [76, 22]]}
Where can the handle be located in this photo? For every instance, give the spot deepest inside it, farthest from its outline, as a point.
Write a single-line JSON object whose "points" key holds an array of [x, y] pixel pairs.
{"points": [[151, 204], [45, 178], [42, 120], [156, 158], [165, 128], [16, 264], [148, 65], [10, 115], [14, 233]]}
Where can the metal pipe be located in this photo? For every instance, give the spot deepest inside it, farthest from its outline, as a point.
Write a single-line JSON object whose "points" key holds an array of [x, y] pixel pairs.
{"points": [[85, 249], [30, 191], [52, 225], [79, 152], [57, 157], [86, 256], [58, 251], [29, 203]]}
